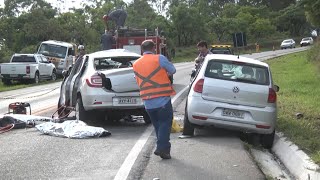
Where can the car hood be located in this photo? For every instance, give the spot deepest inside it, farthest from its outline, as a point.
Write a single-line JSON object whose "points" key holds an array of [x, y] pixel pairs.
{"points": [[119, 80]]}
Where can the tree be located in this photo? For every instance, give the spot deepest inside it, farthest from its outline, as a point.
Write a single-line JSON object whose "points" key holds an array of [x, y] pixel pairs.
{"points": [[293, 20], [312, 11]]}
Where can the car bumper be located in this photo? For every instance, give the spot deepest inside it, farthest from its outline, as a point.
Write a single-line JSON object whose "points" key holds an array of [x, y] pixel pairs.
{"points": [[255, 120], [304, 43], [286, 46], [100, 99], [19, 76]]}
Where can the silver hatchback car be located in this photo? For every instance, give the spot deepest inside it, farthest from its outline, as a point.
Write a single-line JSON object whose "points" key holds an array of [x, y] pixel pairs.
{"points": [[233, 92], [102, 85]]}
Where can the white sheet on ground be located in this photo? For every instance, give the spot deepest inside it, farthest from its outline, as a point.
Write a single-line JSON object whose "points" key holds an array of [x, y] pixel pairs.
{"points": [[72, 129]]}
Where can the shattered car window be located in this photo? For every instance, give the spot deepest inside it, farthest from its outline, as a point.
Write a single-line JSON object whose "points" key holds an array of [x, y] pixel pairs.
{"points": [[113, 62], [239, 72]]}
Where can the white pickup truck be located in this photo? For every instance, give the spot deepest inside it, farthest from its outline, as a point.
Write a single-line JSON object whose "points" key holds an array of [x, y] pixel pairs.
{"points": [[32, 67]]}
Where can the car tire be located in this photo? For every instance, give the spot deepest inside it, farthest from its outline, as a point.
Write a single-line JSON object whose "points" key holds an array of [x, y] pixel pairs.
{"points": [[81, 113], [6, 81], [54, 75], [188, 128], [146, 118], [266, 140], [36, 78]]}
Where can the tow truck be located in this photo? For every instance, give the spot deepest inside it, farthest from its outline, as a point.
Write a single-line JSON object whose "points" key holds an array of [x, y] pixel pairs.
{"points": [[131, 39]]}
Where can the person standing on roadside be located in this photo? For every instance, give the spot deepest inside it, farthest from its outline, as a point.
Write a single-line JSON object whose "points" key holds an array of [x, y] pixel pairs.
{"points": [[151, 73]]}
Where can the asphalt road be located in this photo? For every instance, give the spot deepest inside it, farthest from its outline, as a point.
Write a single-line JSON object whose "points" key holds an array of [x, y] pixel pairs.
{"points": [[26, 154]]}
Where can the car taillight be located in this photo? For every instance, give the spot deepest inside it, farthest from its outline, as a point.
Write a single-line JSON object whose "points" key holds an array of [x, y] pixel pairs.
{"points": [[27, 69], [272, 97], [198, 87], [94, 81]]}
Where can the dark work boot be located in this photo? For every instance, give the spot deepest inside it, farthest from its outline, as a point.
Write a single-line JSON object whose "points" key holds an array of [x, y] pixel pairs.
{"points": [[165, 155]]}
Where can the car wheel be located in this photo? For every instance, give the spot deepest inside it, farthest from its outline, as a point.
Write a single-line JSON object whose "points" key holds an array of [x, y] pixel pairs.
{"points": [[266, 140], [6, 81], [54, 75], [81, 113], [36, 78], [188, 128], [146, 118]]}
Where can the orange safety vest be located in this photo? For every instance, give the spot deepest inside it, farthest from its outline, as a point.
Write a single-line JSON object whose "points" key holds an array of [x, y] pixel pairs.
{"points": [[152, 79]]}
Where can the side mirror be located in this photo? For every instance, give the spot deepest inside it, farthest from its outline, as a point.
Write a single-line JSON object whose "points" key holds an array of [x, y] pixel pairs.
{"points": [[193, 73], [276, 88]]}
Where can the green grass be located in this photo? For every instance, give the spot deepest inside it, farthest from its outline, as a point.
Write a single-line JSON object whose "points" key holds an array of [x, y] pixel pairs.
{"points": [[298, 80], [185, 54], [16, 85]]}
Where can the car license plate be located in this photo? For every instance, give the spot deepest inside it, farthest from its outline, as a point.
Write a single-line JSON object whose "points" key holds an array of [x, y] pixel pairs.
{"points": [[13, 75], [127, 101], [233, 113]]}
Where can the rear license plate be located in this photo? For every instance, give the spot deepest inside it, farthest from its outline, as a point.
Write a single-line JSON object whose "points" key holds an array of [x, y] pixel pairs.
{"points": [[127, 101], [13, 75], [233, 113]]}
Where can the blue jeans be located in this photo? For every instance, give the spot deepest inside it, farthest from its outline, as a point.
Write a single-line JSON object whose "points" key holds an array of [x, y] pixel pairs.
{"points": [[161, 119]]}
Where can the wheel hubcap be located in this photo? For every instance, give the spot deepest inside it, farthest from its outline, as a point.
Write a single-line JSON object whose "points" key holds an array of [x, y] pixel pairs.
{"points": [[54, 76]]}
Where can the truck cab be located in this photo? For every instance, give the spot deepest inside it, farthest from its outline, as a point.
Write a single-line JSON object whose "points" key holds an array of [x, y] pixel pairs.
{"points": [[61, 54]]}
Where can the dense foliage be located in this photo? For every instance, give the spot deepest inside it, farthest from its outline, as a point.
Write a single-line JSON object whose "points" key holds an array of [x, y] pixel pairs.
{"points": [[25, 23]]}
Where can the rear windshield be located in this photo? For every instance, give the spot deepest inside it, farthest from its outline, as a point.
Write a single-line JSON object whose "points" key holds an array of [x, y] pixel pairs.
{"points": [[235, 71], [23, 59], [305, 39], [287, 41], [113, 62]]}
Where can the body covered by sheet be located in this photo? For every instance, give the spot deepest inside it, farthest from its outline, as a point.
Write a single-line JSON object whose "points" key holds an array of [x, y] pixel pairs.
{"points": [[72, 129]]}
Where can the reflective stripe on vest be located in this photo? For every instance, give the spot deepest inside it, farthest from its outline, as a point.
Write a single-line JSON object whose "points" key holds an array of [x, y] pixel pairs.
{"points": [[153, 80]]}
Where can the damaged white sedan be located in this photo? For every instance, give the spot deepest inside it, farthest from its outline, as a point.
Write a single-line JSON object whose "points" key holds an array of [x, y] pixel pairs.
{"points": [[102, 86]]}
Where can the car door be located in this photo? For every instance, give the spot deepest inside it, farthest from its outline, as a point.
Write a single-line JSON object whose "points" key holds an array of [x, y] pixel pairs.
{"points": [[48, 67], [77, 78], [70, 80], [41, 66]]}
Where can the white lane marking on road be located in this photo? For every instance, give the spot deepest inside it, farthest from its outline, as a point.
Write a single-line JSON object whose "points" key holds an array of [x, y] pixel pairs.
{"points": [[125, 168]]}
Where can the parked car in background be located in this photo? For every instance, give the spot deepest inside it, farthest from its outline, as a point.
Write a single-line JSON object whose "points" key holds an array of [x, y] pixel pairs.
{"points": [[234, 93], [288, 43], [23, 67], [102, 85], [306, 41]]}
